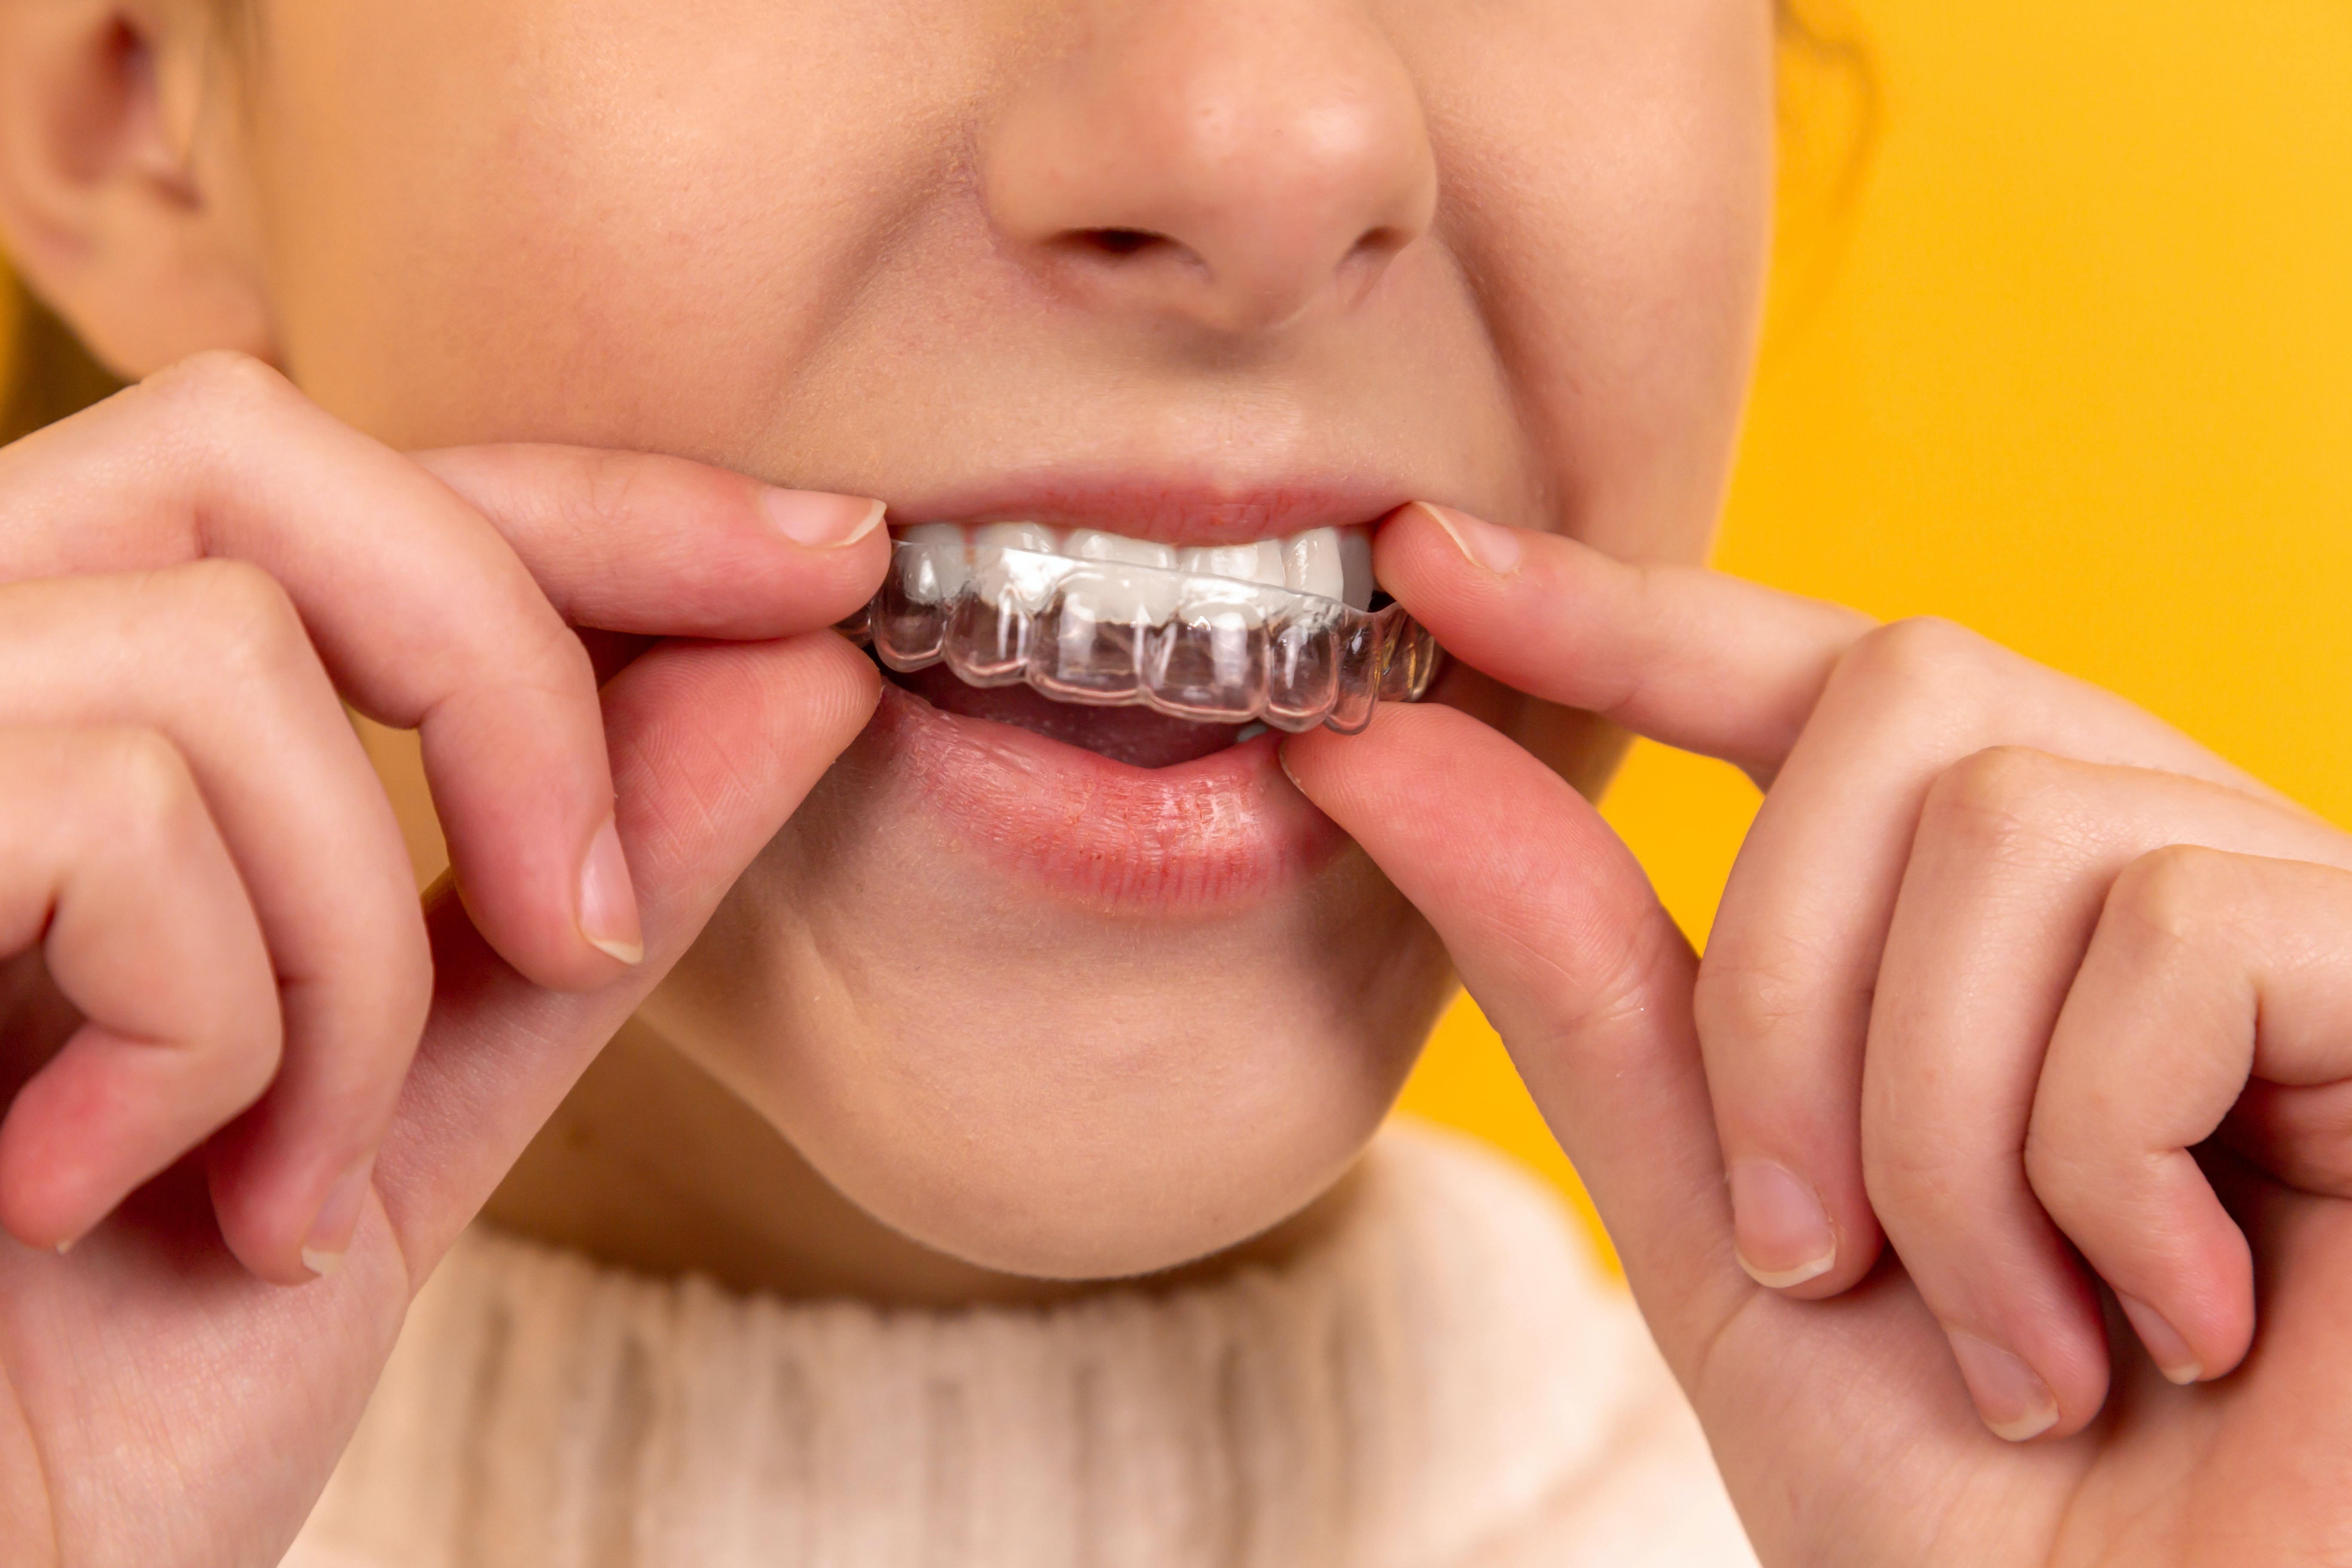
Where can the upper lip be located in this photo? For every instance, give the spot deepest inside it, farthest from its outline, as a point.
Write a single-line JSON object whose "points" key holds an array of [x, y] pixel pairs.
{"points": [[1166, 511]]}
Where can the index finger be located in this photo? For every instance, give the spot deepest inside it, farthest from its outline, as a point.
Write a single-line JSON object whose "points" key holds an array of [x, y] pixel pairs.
{"points": [[1691, 657], [428, 616], [630, 542]]}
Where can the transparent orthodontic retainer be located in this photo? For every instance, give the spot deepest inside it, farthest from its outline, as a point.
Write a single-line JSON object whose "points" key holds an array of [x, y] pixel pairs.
{"points": [[1112, 633]]}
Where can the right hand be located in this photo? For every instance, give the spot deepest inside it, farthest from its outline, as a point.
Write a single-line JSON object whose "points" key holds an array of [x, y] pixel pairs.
{"points": [[213, 968]]}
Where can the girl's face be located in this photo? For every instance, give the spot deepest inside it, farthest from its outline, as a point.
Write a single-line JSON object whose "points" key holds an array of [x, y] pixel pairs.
{"points": [[1200, 270]]}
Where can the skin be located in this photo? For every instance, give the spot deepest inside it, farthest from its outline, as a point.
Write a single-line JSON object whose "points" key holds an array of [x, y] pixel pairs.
{"points": [[950, 293], [2001, 956]]}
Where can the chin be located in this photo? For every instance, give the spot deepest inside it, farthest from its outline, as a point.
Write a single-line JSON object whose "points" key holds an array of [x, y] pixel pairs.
{"points": [[1064, 992], [1117, 1130]]}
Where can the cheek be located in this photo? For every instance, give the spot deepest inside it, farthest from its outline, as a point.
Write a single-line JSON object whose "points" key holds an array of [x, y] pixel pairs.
{"points": [[1038, 1088], [1608, 178], [502, 219]]}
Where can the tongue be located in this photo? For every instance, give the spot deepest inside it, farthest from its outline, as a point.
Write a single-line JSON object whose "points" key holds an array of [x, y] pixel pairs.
{"points": [[1136, 736]]}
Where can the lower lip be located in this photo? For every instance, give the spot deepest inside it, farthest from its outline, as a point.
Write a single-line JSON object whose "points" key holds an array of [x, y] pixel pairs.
{"points": [[1222, 829]]}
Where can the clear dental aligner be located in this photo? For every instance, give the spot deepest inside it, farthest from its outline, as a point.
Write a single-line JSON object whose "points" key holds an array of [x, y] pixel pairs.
{"points": [[1279, 632]]}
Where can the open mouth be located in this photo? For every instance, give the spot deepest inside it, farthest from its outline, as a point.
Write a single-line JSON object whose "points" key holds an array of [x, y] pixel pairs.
{"points": [[1138, 650]]}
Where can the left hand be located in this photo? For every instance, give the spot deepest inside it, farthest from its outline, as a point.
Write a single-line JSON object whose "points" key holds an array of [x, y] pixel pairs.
{"points": [[2001, 958]]}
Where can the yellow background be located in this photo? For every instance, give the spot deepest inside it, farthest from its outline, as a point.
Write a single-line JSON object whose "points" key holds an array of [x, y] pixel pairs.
{"points": [[2073, 366], [2079, 374]]}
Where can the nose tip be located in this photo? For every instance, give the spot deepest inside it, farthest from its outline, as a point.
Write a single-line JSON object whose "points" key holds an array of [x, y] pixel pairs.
{"points": [[1236, 166]]}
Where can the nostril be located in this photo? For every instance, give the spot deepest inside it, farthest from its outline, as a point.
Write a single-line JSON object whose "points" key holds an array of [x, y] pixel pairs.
{"points": [[1368, 259], [1118, 241], [1379, 244]]}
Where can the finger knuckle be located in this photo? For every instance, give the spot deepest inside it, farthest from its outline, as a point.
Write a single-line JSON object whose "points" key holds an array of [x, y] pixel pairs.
{"points": [[248, 1046], [2174, 896], [212, 405], [247, 621], [1592, 1002], [2005, 802], [1917, 1168], [152, 792], [1922, 654], [559, 661], [613, 487], [220, 386], [2301, 1134], [1919, 683], [1908, 1179], [1755, 996], [2058, 1148]]}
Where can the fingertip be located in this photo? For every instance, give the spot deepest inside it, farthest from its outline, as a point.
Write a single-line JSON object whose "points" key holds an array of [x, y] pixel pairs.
{"points": [[105, 1115], [836, 690], [858, 680], [1782, 1246], [54, 1208], [1488, 546], [27, 1212], [337, 1220], [1454, 572], [1282, 760], [2015, 1402], [1305, 760], [2164, 1343], [290, 1218], [840, 552], [820, 521], [1411, 752], [32, 1217], [2196, 1323], [608, 898], [1781, 1227]]}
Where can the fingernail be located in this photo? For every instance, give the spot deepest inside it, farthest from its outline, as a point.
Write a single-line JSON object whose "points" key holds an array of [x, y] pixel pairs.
{"points": [[2165, 1346], [1282, 760], [338, 1219], [608, 900], [1784, 1233], [2011, 1396], [1495, 548], [819, 521]]}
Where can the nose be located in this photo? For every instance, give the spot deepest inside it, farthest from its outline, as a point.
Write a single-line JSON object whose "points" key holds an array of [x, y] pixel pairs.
{"points": [[1236, 163]]}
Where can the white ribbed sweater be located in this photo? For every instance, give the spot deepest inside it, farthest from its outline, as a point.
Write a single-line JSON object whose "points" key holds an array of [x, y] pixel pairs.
{"points": [[1445, 1382]]}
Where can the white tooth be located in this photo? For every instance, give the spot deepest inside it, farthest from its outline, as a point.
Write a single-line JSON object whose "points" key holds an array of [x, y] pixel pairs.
{"points": [[1259, 563], [1094, 545], [1106, 594], [1356, 566], [1230, 582], [1310, 564], [1016, 536], [1018, 560], [935, 569], [1210, 600]]}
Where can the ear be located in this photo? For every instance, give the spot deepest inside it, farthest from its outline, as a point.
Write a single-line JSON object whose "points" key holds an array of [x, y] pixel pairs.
{"points": [[122, 192]]}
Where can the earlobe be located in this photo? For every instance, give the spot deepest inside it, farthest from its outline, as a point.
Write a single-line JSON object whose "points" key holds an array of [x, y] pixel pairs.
{"points": [[120, 196]]}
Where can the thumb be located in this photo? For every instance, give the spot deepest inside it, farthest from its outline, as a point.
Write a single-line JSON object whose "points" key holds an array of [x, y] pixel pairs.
{"points": [[713, 747], [1560, 940]]}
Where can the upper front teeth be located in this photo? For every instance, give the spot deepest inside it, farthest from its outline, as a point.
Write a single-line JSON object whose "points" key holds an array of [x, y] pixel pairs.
{"points": [[1333, 564]]}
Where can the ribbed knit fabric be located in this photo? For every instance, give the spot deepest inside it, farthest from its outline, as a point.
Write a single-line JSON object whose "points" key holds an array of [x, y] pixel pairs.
{"points": [[1445, 1382]]}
